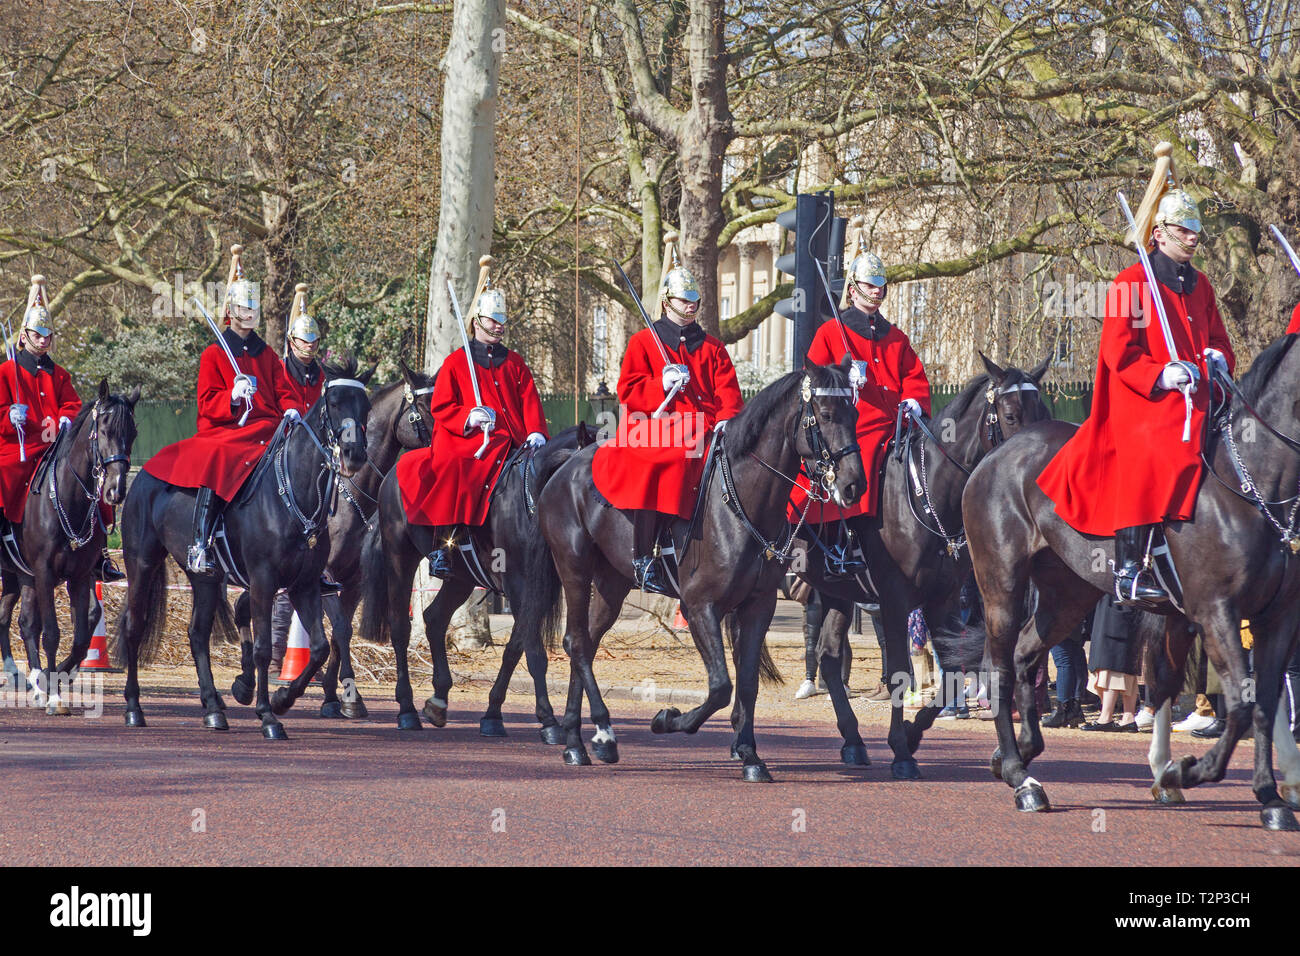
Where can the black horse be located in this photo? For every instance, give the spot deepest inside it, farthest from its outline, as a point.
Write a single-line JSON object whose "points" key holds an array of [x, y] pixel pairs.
{"points": [[277, 536], [514, 553], [1234, 560], [62, 536], [398, 421], [733, 552], [913, 550]]}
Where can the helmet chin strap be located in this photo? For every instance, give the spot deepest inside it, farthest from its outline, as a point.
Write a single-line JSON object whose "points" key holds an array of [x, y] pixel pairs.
{"points": [[1176, 240], [478, 324], [668, 304]]}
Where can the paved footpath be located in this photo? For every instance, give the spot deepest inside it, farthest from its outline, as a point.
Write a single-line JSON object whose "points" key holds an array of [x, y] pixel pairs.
{"points": [[88, 791]]}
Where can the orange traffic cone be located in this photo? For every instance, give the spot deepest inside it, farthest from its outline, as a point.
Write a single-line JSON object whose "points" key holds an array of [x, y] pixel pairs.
{"points": [[97, 654], [679, 622], [297, 653]]}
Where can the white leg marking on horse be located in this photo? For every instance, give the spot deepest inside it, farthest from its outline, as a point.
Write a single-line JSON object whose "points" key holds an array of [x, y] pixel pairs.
{"points": [[438, 702], [1288, 755], [603, 735], [1158, 755]]}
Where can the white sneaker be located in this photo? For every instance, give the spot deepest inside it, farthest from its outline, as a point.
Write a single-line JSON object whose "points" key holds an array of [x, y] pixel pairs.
{"points": [[976, 692], [1144, 719], [1194, 721], [806, 689]]}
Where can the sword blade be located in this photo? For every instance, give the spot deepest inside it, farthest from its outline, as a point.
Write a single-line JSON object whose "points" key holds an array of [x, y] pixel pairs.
{"points": [[464, 338], [1156, 298], [645, 316], [1295, 262]]}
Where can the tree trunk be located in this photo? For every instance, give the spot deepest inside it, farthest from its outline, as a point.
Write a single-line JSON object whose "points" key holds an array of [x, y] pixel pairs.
{"points": [[465, 210], [279, 252]]}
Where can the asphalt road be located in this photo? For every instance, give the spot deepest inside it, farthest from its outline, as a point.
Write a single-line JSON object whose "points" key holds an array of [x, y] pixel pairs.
{"points": [[90, 792]]}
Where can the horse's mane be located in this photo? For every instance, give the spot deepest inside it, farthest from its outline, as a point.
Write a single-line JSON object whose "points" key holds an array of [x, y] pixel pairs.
{"points": [[1261, 370], [345, 368], [745, 429], [112, 414], [973, 389]]}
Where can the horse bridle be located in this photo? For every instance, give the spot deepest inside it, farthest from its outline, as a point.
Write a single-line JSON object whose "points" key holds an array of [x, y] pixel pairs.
{"points": [[821, 460], [992, 418], [98, 470], [331, 454], [413, 416]]}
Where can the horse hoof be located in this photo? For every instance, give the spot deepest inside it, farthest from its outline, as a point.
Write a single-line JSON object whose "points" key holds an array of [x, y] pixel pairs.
{"points": [[135, 718], [606, 752], [409, 720], [662, 724], [855, 755], [1279, 818], [1031, 798], [755, 773], [58, 710], [491, 727], [243, 693], [332, 709], [995, 765], [905, 769], [215, 721], [576, 757], [434, 714], [274, 731], [1167, 796], [1172, 775], [553, 735], [355, 709]]}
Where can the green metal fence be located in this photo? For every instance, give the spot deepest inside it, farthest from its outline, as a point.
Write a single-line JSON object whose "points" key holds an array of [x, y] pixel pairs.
{"points": [[161, 423]]}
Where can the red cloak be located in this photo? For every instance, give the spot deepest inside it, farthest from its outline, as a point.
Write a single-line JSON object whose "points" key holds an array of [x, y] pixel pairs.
{"points": [[48, 395], [445, 484], [1295, 320], [895, 373], [223, 453], [657, 464], [1127, 465]]}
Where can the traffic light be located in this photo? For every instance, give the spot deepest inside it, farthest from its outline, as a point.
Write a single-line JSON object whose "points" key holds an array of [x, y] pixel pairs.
{"points": [[818, 238]]}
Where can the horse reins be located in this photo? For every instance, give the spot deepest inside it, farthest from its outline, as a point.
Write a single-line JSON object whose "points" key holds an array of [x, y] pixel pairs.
{"points": [[98, 470]]}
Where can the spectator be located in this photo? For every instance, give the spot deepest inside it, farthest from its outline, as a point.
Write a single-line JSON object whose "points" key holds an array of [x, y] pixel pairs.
{"points": [[1116, 657], [1071, 678]]}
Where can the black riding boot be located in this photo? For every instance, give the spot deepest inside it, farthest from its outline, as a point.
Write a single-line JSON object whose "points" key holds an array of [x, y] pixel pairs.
{"points": [[107, 570], [440, 560], [1134, 582], [207, 508], [645, 563]]}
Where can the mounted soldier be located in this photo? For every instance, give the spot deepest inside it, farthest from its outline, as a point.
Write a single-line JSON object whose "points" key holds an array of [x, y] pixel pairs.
{"points": [[238, 413], [1136, 461], [41, 402], [886, 371], [482, 413], [302, 342], [677, 385]]}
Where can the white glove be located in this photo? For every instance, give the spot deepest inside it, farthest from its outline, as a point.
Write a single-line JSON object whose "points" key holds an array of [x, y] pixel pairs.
{"points": [[18, 414], [913, 407], [64, 422], [292, 414], [1216, 360], [242, 389], [857, 374], [536, 439], [675, 376], [722, 424], [1174, 376], [480, 417]]}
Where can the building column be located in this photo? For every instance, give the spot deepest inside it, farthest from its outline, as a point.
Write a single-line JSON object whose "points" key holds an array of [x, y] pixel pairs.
{"points": [[745, 294]]}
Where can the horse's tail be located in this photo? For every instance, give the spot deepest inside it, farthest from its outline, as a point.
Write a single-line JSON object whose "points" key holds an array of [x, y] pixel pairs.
{"points": [[154, 625], [768, 672], [374, 586], [223, 620]]}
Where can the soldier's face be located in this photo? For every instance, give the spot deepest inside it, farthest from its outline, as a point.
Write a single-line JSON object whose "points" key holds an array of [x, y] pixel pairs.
{"points": [[488, 330], [1177, 242], [683, 310], [36, 343], [866, 296], [243, 318], [304, 351]]}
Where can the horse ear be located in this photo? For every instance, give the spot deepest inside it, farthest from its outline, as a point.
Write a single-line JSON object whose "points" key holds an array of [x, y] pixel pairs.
{"points": [[996, 372], [1038, 371], [364, 377], [133, 396], [103, 389]]}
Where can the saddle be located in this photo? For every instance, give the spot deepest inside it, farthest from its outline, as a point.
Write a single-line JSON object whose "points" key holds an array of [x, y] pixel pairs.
{"points": [[9, 534]]}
